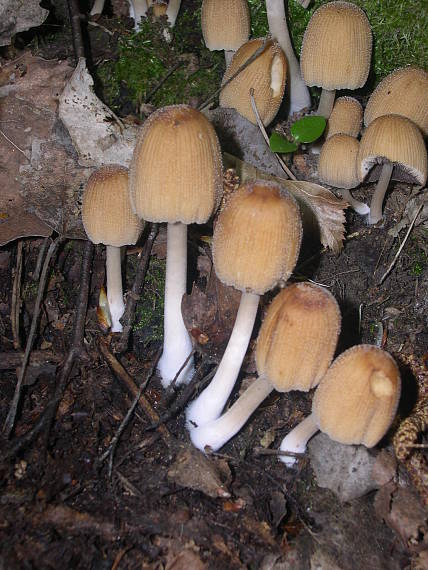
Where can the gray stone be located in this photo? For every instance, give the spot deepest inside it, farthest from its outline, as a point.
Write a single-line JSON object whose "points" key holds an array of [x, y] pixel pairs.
{"points": [[19, 16]]}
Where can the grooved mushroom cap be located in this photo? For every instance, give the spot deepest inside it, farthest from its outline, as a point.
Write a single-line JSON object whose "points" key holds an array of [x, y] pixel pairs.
{"points": [[395, 139], [346, 118], [176, 168], [267, 75], [338, 161], [225, 24], [403, 92], [159, 9], [337, 47], [357, 399], [106, 210], [298, 337], [257, 237]]}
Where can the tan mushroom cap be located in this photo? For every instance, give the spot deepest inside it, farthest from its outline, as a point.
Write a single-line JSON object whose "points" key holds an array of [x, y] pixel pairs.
{"points": [[357, 399], [337, 47], [267, 75], [159, 9], [338, 161], [106, 210], [403, 92], [257, 237], [176, 168], [298, 337], [346, 118], [395, 139], [225, 24]]}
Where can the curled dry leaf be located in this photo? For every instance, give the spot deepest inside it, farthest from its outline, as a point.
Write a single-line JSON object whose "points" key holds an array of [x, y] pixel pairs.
{"points": [[20, 225]]}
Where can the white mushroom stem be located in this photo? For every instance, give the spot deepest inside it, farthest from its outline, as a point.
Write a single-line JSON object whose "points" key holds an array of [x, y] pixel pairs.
{"points": [[299, 97], [218, 432], [210, 403], [97, 8], [172, 11], [177, 344], [360, 207], [325, 106], [379, 193], [228, 55], [137, 10], [297, 439], [114, 287]]}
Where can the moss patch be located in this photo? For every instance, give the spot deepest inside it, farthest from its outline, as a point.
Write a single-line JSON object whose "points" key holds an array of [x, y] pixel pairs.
{"points": [[149, 313]]}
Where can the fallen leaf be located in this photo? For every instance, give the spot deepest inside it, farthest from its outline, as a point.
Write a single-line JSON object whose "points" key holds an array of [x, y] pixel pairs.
{"points": [[22, 225]]}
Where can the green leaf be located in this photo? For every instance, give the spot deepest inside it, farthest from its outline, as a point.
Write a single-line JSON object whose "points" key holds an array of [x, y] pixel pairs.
{"points": [[280, 144], [308, 129]]}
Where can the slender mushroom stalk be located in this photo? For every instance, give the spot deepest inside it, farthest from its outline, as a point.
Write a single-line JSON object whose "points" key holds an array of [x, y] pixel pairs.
{"points": [[114, 287], [359, 207], [97, 8], [177, 344], [137, 10], [326, 103], [172, 11], [299, 96], [379, 193], [297, 439]]}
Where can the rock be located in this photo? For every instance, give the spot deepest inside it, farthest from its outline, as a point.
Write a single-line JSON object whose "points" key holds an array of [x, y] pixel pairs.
{"points": [[19, 16]]}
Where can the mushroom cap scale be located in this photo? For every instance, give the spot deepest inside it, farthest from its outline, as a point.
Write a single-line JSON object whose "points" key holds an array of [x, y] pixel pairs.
{"points": [[267, 75], [402, 92], [338, 161], [225, 24], [106, 210], [394, 139], [336, 48], [257, 237], [176, 168], [357, 399], [346, 118], [298, 337]]}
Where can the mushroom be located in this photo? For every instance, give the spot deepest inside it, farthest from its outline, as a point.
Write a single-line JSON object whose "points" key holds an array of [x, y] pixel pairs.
{"points": [[298, 93], [266, 75], [295, 347], [338, 168], [396, 143], [346, 118], [336, 51], [256, 243], [403, 92], [176, 177], [107, 218], [354, 403], [225, 25]]}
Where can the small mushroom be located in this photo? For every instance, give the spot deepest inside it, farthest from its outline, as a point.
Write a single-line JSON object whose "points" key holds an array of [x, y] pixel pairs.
{"points": [[338, 168], [336, 51], [354, 403], [256, 243], [346, 118], [107, 218], [176, 177], [267, 75], [295, 347], [225, 25], [396, 143]]}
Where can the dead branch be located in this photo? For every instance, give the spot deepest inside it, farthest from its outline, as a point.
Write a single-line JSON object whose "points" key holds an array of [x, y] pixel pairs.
{"points": [[76, 30], [16, 297], [11, 360]]}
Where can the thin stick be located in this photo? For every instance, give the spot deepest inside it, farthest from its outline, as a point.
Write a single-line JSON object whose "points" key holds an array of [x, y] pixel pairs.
{"points": [[40, 258], [76, 30], [278, 452], [11, 416], [397, 255], [162, 81], [265, 136], [255, 55], [114, 442], [14, 145], [182, 367], [16, 297]]}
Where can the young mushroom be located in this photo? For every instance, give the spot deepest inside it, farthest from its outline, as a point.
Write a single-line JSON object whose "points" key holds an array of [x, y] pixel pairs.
{"points": [[354, 403], [346, 118], [267, 75], [295, 347], [176, 177], [256, 243], [336, 51], [225, 25], [107, 218], [396, 143]]}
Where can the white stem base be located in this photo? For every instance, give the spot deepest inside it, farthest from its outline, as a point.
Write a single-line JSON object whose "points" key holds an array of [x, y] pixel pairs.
{"points": [[177, 344], [297, 439], [114, 287], [379, 193], [210, 403], [228, 55], [97, 8], [359, 207], [218, 432], [137, 10]]}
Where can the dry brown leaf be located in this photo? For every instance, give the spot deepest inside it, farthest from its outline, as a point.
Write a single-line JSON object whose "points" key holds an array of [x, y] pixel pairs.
{"points": [[22, 225]]}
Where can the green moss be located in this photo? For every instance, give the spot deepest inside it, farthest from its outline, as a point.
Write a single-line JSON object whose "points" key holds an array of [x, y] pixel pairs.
{"points": [[149, 313]]}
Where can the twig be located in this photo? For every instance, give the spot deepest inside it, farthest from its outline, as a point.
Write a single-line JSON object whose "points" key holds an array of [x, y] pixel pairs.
{"points": [[16, 297], [397, 255], [76, 352], [128, 316], [76, 30], [40, 258], [11, 416], [255, 55], [112, 447], [278, 452], [162, 81], [265, 136], [96, 25], [10, 360], [14, 145], [182, 367]]}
